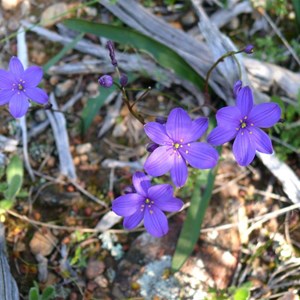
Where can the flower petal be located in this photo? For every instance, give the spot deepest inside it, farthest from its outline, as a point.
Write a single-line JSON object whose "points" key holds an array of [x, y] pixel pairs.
{"points": [[155, 222], [173, 204], [160, 161], [200, 155], [134, 220], [244, 100], [18, 105], [229, 117], [221, 135], [160, 193], [141, 183], [265, 115], [157, 133], [5, 96], [128, 204], [198, 128], [32, 76], [243, 148], [262, 140], [6, 80], [16, 67], [37, 95], [178, 124], [179, 171]]}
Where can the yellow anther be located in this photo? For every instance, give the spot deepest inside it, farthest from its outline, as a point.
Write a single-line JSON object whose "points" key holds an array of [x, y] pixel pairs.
{"points": [[176, 145], [244, 125], [20, 87], [147, 201]]}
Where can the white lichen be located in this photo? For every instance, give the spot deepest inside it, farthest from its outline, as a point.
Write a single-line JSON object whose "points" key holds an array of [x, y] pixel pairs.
{"points": [[109, 242]]}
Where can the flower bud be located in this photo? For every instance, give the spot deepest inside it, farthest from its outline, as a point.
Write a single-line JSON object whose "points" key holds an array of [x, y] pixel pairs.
{"points": [[129, 189], [123, 80], [111, 48], [236, 87], [151, 147], [161, 120], [106, 81], [249, 49]]}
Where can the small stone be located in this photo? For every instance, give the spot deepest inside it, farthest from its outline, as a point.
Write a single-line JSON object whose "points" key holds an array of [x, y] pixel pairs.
{"points": [[10, 4], [101, 281], [84, 158], [42, 243], [54, 14], [93, 89], [54, 80], [189, 19], [94, 269], [83, 148], [64, 88]]}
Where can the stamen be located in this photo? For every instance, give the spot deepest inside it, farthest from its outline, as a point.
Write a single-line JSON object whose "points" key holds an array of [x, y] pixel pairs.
{"points": [[244, 125], [250, 132], [245, 117], [151, 212], [181, 140], [237, 129], [186, 151], [189, 145], [177, 145], [252, 124], [147, 201]]}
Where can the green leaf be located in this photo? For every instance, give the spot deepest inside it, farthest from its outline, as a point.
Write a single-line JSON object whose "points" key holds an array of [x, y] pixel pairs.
{"points": [[296, 5], [163, 54], [92, 107], [34, 294], [14, 177], [6, 204], [243, 292], [49, 293], [61, 53], [192, 225]]}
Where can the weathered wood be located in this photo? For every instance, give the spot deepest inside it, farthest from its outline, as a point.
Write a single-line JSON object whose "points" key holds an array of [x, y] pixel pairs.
{"points": [[8, 287]]}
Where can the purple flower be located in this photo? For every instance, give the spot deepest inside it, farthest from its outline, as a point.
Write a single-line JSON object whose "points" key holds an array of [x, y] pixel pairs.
{"points": [[106, 81], [177, 146], [17, 86], [242, 122], [147, 203], [249, 49]]}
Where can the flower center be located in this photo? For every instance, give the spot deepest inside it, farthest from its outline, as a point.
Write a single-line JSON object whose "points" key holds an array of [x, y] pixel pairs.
{"points": [[19, 86], [148, 203], [244, 124]]}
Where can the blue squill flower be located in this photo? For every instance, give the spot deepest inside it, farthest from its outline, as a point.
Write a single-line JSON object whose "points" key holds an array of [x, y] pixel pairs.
{"points": [[147, 203], [18, 86], [241, 123], [178, 147]]}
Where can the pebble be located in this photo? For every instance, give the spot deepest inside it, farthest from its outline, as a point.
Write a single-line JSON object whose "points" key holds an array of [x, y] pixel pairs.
{"points": [[93, 89], [42, 243], [53, 14], [10, 4], [94, 269], [64, 88], [83, 148], [101, 281]]}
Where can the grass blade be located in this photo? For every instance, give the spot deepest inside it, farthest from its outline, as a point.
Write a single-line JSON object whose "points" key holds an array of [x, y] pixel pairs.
{"points": [[192, 225], [165, 56]]}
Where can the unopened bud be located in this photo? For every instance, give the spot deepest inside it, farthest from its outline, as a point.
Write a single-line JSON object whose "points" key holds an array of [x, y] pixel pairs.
{"points": [[236, 87], [161, 120], [151, 147], [111, 48], [129, 189], [249, 49], [106, 81], [123, 80]]}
